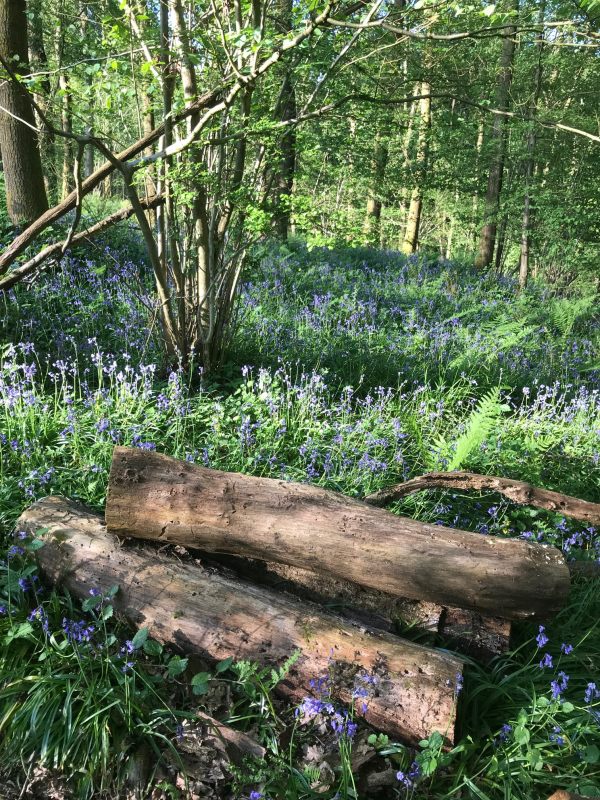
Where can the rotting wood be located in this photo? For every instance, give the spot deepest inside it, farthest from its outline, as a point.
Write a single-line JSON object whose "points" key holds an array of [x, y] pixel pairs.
{"points": [[518, 491], [481, 637], [216, 617], [237, 745], [152, 496]]}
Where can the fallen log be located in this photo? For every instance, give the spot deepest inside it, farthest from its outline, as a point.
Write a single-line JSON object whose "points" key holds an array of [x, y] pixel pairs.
{"points": [[518, 491], [152, 496], [217, 617], [481, 637]]}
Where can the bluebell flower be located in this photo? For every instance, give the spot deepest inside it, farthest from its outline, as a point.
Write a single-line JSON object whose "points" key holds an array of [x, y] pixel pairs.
{"points": [[546, 661], [591, 693], [566, 648], [541, 639]]}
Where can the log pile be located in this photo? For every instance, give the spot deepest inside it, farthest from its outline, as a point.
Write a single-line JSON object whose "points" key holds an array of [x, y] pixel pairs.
{"points": [[289, 567]]}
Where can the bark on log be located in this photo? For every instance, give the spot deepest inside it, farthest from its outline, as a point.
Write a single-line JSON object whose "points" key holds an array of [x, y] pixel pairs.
{"points": [[153, 496], [217, 617], [470, 633], [519, 492]]}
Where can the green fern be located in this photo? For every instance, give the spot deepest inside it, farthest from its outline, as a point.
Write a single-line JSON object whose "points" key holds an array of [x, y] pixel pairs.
{"points": [[566, 313], [478, 427]]}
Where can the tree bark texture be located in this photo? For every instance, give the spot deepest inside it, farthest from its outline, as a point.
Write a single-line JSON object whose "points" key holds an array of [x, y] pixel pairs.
{"points": [[217, 617], [467, 632], [22, 164], [518, 491], [153, 496]]}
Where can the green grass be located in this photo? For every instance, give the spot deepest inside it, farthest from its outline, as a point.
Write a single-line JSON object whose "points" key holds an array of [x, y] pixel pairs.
{"points": [[349, 370]]}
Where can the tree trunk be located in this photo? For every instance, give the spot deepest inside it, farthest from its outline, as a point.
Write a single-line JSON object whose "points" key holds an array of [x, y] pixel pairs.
{"points": [[285, 161], [38, 59], [372, 224], [411, 234], [156, 497], [216, 617], [26, 198], [527, 219], [487, 239], [66, 117]]}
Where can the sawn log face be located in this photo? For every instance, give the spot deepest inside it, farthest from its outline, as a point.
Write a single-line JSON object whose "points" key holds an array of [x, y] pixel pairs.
{"points": [[218, 617], [153, 496]]}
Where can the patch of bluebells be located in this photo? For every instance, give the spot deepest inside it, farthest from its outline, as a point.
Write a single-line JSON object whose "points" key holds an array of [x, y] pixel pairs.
{"points": [[78, 631]]}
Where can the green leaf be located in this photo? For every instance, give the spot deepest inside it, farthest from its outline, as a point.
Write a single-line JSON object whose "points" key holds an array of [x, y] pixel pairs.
{"points": [[35, 544], [91, 602], [521, 735], [176, 666], [22, 631], [200, 682], [224, 665], [107, 612], [567, 707], [591, 754], [140, 637], [152, 647]]}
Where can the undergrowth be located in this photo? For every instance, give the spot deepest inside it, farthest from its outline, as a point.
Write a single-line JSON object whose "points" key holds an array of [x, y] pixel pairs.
{"points": [[351, 370]]}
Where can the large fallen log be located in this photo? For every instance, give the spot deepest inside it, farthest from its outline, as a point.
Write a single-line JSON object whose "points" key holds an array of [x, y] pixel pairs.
{"points": [[518, 491], [152, 496], [217, 617]]}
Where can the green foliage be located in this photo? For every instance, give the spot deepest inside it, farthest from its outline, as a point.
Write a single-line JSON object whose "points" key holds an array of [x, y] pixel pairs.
{"points": [[366, 395]]}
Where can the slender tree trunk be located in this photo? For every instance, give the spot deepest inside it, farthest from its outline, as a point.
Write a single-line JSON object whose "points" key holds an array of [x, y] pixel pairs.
{"points": [[527, 219], [38, 60], [487, 240], [26, 197], [372, 224], [282, 177], [475, 201], [67, 126], [413, 222]]}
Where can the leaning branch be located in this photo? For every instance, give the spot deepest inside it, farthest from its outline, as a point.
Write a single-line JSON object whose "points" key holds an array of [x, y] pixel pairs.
{"points": [[21, 242], [518, 491], [34, 264]]}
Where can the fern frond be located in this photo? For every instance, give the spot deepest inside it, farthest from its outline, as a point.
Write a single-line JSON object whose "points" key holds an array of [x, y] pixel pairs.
{"points": [[478, 427]]}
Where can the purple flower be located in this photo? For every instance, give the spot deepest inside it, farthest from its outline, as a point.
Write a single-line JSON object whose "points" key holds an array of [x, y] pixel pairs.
{"points": [[14, 550], [504, 731], [409, 778], [566, 648], [3, 610], [458, 685], [24, 584], [546, 661], [541, 638], [254, 795], [77, 631], [591, 693], [40, 615], [94, 592]]}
